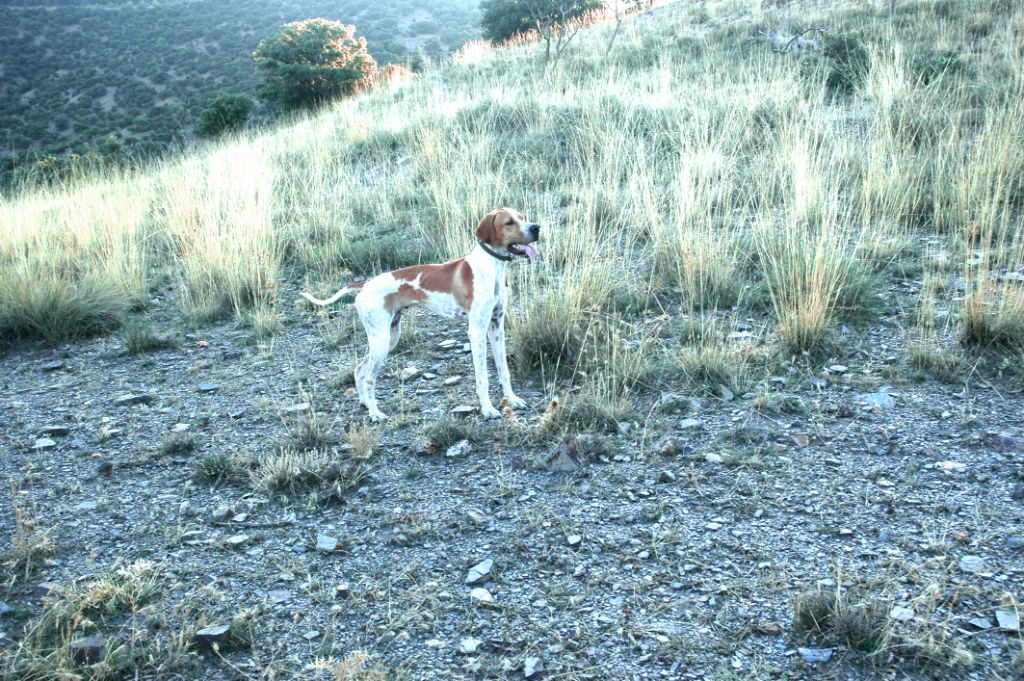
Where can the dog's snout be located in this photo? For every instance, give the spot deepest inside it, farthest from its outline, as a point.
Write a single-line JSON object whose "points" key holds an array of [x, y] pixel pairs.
{"points": [[534, 230]]}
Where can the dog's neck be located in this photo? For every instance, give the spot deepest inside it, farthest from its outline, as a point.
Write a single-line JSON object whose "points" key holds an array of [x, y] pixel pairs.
{"points": [[482, 257], [498, 254]]}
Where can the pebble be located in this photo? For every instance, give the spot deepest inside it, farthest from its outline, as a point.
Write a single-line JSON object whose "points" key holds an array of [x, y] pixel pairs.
{"points": [[237, 540], [901, 614], [1015, 542], [296, 408], [480, 573], [815, 655], [980, 623], [453, 380], [481, 595], [711, 457], [469, 645], [326, 543], [533, 668], [44, 443], [879, 401], [130, 400], [55, 365], [666, 476], [689, 424], [724, 393], [5, 609], [1008, 620], [55, 431], [408, 373], [460, 448], [208, 387], [574, 539], [44, 589], [975, 564], [463, 410]]}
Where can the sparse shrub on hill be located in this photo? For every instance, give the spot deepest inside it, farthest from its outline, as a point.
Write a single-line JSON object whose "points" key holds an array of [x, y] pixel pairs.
{"points": [[504, 19], [309, 63], [226, 113]]}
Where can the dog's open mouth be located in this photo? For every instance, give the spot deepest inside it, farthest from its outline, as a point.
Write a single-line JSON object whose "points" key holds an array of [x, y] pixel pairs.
{"points": [[523, 250]]}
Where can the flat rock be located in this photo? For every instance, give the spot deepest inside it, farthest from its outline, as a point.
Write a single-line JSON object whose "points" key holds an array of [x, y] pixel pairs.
{"points": [[815, 655], [974, 564], [55, 365], [481, 595], [296, 408], [453, 380], [1008, 620], [533, 668], [460, 448], [574, 540], [979, 623], [447, 344], [237, 540], [723, 393], [5, 609], [44, 443], [463, 410], [55, 431], [131, 399], [711, 457], [212, 634], [89, 650], [879, 401], [480, 573], [469, 645], [44, 589], [408, 373], [208, 387], [901, 614], [666, 476], [569, 456], [689, 424], [326, 543]]}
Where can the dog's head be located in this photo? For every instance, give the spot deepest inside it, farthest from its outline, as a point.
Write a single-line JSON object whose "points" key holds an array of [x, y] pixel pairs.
{"points": [[506, 229]]}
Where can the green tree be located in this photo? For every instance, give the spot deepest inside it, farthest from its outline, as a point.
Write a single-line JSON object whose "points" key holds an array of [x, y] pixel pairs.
{"points": [[226, 113], [503, 19], [311, 62]]}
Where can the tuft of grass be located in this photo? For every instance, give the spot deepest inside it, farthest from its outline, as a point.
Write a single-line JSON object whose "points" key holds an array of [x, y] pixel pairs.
{"points": [[705, 359], [448, 430], [221, 467], [140, 337], [363, 440], [177, 444], [30, 545], [57, 308], [291, 472], [308, 431]]}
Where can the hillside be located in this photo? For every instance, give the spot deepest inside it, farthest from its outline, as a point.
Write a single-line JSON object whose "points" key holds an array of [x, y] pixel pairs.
{"points": [[74, 72], [771, 348]]}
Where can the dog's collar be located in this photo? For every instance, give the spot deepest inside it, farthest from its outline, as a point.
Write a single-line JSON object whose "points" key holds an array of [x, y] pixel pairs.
{"points": [[494, 254]]}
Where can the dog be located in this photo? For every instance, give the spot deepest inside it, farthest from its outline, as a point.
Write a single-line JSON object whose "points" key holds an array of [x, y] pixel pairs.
{"points": [[471, 287]]}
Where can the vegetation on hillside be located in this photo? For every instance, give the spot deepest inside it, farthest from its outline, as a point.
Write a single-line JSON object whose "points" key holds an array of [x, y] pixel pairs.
{"points": [[73, 72]]}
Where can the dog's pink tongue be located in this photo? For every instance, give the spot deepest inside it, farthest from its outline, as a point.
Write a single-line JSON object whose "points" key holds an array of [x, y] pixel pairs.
{"points": [[529, 251]]}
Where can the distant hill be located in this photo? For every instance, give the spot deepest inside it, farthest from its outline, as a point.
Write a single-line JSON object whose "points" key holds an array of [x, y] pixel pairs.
{"points": [[73, 72]]}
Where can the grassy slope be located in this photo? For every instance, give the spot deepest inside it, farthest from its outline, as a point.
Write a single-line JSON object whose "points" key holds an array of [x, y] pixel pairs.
{"points": [[689, 171]]}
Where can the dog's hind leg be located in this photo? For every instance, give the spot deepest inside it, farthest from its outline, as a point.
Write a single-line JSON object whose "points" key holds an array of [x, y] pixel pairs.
{"points": [[379, 335]]}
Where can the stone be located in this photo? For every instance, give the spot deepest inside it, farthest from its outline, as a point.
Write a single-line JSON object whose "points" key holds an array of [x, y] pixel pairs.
{"points": [[237, 540], [453, 380], [980, 623], [481, 595], [55, 365], [43, 443], [480, 573], [533, 668], [974, 564], [5, 609], [232, 353], [690, 424], [574, 540], [55, 431], [1008, 620], [713, 527], [711, 457], [296, 408], [666, 476], [879, 401], [1014, 542], [343, 590], [88, 650], [838, 369], [326, 543], [408, 373], [724, 394], [815, 655], [130, 400], [469, 645], [569, 456], [279, 596], [901, 614], [208, 387], [180, 428], [209, 636], [460, 448], [463, 410], [44, 589], [447, 344], [768, 628]]}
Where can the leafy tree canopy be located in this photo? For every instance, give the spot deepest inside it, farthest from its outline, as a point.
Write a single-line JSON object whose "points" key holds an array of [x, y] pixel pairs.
{"points": [[503, 19], [311, 62], [226, 113]]}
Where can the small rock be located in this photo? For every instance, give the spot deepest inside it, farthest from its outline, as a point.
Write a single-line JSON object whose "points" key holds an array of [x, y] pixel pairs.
{"points": [[1015, 543], [480, 573], [211, 635], [463, 410], [666, 476], [130, 400], [815, 655], [44, 443], [711, 457], [879, 401], [232, 353], [296, 408], [55, 431], [44, 589], [533, 668], [311, 634], [980, 623], [1017, 493], [1008, 620], [838, 369], [180, 428], [5, 609], [819, 383], [568, 456], [901, 614], [469, 645], [237, 540], [768, 628], [454, 380], [713, 527], [86, 506], [975, 564], [326, 543], [447, 344], [481, 595], [723, 393], [801, 440], [460, 448], [689, 424], [279, 596], [208, 387], [408, 373], [574, 540], [55, 365], [88, 650]]}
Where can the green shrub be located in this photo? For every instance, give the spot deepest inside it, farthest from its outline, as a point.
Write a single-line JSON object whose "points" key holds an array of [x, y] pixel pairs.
{"points": [[227, 113]]}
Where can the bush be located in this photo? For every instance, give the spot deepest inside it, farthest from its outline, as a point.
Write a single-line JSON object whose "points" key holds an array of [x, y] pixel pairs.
{"points": [[312, 62], [226, 113], [848, 63]]}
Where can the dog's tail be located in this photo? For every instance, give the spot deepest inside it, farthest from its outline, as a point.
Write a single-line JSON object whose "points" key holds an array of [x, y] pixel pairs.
{"points": [[336, 297]]}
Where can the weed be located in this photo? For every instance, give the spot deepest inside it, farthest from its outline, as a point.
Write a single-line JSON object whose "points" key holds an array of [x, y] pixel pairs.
{"points": [[140, 337], [221, 467]]}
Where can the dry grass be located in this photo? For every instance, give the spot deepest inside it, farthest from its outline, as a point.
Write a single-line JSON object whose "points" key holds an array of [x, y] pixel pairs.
{"points": [[30, 544]]}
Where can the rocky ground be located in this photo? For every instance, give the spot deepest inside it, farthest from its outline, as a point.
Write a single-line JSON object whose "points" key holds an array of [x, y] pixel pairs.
{"points": [[678, 548]]}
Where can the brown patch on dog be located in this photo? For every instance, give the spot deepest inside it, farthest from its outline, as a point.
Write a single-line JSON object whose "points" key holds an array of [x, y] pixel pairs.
{"points": [[406, 295], [455, 277]]}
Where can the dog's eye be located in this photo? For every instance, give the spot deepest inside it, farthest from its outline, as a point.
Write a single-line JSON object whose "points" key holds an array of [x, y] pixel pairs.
{"points": [[508, 223]]}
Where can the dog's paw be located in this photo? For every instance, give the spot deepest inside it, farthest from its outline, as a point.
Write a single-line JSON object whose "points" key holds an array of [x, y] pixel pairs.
{"points": [[489, 412], [376, 415], [516, 402]]}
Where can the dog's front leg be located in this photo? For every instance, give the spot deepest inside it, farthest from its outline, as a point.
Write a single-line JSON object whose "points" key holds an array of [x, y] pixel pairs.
{"points": [[496, 335], [478, 320]]}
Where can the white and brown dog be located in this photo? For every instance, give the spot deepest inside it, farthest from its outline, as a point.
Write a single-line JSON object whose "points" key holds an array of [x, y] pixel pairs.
{"points": [[473, 286]]}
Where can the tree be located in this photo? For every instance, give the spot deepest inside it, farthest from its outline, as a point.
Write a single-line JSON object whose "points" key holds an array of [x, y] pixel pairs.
{"points": [[552, 19], [226, 113], [311, 62]]}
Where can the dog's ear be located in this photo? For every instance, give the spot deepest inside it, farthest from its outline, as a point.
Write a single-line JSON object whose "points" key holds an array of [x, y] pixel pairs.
{"points": [[487, 230]]}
